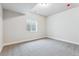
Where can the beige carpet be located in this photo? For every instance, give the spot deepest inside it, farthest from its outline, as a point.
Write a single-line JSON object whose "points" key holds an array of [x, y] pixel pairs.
{"points": [[42, 47]]}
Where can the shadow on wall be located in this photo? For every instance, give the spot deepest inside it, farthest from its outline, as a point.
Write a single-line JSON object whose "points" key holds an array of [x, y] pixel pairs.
{"points": [[10, 14]]}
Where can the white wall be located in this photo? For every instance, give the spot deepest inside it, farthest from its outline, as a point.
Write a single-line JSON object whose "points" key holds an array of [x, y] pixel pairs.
{"points": [[1, 29], [15, 29], [64, 26], [10, 14]]}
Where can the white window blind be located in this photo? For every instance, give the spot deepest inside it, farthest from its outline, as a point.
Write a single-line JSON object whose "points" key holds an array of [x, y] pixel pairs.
{"points": [[31, 25]]}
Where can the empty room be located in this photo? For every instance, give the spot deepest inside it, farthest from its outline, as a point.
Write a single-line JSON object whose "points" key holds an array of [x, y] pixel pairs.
{"points": [[39, 29]]}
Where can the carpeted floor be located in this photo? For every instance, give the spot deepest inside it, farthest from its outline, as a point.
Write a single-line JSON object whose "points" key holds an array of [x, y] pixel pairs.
{"points": [[42, 47]]}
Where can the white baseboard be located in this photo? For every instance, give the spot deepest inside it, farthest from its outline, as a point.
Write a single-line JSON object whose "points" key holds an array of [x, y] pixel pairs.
{"points": [[64, 40], [16, 42], [20, 41]]}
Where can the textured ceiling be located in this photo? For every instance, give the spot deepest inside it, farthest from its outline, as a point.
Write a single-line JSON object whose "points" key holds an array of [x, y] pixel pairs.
{"points": [[18, 7], [53, 8], [44, 10]]}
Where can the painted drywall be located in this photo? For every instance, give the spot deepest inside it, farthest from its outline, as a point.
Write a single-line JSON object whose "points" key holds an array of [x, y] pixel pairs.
{"points": [[1, 29], [10, 14], [64, 26], [15, 29]]}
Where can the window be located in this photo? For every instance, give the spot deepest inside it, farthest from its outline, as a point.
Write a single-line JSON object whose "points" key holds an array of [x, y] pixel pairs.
{"points": [[31, 25]]}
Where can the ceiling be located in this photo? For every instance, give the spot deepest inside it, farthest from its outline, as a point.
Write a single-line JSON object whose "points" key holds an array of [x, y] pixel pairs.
{"points": [[18, 7], [41, 9]]}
